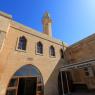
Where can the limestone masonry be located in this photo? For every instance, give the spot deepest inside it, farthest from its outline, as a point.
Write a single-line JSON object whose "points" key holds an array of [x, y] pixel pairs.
{"points": [[31, 61]]}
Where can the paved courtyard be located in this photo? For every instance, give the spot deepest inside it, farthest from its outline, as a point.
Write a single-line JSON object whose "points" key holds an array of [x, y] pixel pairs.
{"points": [[81, 93]]}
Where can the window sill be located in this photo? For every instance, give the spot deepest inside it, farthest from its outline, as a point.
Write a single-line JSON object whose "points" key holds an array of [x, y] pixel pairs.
{"points": [[41, 54], [21, 50], [52, 56]]}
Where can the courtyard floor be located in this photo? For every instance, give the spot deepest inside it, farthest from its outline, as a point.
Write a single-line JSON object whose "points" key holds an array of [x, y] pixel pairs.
{"points": [[84, 93]]}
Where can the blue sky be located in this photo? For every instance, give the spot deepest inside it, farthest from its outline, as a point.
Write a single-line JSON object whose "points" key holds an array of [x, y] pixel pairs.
{"points": [[73, 20]]}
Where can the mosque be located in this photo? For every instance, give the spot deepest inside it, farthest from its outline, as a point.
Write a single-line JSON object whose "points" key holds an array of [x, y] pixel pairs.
{"points": [[35, 63]]}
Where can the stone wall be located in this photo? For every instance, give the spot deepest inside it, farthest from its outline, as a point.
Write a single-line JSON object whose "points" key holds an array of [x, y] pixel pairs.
{"points": [[11, 58], [82, 51]]}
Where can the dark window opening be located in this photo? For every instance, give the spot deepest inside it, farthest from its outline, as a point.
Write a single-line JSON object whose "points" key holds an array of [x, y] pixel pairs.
{"points": [[13, 82], [11, 92], [61, 53], [40, 48], [52, 51], [22, 43]]}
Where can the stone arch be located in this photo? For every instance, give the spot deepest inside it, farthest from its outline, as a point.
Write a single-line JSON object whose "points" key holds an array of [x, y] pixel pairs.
{"points": [[28, 71]]}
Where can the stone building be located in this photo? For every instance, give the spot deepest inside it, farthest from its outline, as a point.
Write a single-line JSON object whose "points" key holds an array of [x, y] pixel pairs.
{"points": [[29, 60], [80, 68], [34, 63]]}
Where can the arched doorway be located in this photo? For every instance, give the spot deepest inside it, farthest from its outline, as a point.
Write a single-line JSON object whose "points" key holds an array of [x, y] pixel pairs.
{"points": [[26, 81]]}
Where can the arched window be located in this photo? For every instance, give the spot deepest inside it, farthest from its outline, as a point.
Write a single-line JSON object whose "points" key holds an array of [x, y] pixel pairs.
{"points": [[61, 53], [40, 48], [52, 51], [22, 43]]}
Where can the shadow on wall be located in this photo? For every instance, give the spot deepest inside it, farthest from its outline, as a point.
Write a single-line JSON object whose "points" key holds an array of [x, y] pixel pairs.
{"points": [[51, 86]]}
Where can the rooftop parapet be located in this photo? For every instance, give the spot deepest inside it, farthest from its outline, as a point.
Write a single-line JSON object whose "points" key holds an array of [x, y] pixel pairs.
{"points": [[5, 15], [5, 20]]}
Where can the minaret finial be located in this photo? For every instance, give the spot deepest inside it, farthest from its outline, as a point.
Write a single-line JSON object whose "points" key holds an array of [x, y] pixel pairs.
{"points": [[46, 15]]}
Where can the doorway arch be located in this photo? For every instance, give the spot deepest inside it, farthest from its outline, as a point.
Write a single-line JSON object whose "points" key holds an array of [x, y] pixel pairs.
{"points": [[27, 80]]}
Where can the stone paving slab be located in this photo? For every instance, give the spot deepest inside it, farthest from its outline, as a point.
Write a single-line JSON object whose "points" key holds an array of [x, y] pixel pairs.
{"points": [[93, 93]]}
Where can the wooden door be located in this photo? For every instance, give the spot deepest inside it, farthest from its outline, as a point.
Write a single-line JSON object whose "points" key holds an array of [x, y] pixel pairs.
{"points": [[27, 86]]}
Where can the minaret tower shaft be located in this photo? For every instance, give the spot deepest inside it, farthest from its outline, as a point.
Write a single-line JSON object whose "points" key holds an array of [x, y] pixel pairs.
{"points": [[47, 29]]}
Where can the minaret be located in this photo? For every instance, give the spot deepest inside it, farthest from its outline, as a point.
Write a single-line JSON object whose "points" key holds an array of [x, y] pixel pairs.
{"points": [[47, 24]]}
